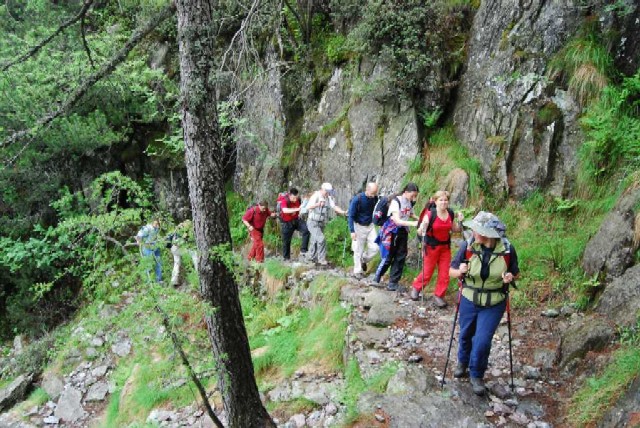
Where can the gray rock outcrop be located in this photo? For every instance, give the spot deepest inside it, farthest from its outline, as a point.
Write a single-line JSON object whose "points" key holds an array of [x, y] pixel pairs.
{"points": [[588, 334], [612, 248], [523, 131], [15, 391], [69, 408], [620, 301], [53, 385]]}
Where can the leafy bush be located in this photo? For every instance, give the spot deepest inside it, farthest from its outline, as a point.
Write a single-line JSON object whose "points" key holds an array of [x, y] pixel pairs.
{"points": [[612, 127], [419, 40]]}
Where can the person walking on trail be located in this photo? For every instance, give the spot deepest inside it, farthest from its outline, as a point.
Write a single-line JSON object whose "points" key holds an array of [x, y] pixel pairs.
{"points": [[179, 241], [435, 229], [255, 218], [486, 265], [148, 241], [394, 235], [363, 231], [318, 206], [290, 222]]}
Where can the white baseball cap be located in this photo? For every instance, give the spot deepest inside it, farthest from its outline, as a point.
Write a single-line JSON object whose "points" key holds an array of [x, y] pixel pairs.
{"points": [[327, 187]]}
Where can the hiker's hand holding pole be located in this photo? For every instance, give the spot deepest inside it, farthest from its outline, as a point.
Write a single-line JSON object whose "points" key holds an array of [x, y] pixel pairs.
{"points": [[460, 272], [353, 236], [507, 277]]}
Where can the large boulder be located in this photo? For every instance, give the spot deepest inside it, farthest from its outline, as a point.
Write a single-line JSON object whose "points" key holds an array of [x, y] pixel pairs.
{"points": [[69, 408], [620, 301], [588, 334], [15, 392], [612, 248], [510, 116]]}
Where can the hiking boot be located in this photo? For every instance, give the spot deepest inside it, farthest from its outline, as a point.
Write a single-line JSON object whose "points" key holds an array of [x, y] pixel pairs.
{"points": [[323, 263], [439, 302], [358, 275], [302, 257], [392, 286], [477, 384], [415, 294], [460, 371]]}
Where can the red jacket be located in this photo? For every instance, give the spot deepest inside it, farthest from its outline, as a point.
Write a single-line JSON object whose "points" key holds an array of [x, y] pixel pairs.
{"points": [[290, 216], [256, 218]]}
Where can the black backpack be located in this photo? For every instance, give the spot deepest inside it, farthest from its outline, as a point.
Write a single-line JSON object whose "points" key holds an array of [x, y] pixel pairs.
{"points": [[381, 210]]}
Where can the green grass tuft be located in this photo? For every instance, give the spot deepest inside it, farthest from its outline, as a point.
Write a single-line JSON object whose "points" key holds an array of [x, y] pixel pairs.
{"points": [[598, 394]]}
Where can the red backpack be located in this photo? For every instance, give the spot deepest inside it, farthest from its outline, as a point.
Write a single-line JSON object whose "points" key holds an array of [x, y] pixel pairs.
{"points": [[282, 200]]}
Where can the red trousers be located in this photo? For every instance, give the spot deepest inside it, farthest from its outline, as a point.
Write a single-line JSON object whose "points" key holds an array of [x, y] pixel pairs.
{"points": [[439, 256], [257, 246]]}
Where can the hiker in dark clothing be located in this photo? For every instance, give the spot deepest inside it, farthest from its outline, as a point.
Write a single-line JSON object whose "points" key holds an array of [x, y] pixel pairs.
{"points": [[290, 222], [394, 235], [363, 232], [486, 267]]}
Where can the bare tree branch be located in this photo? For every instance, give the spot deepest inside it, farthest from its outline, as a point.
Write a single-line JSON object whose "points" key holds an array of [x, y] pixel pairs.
{"points": [[240, 34], [84, 41], [34, 50], [185, 362], [81, 90]]}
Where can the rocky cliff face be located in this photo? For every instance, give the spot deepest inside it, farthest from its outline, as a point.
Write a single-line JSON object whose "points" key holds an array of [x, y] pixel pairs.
{"points": [[520, 124], [349, 136], [510, 116]]}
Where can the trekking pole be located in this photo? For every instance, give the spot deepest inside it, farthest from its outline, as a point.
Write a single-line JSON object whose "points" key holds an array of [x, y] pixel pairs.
{"points": [[344, 245], [422, 265], [453, 328], [509, 330]]}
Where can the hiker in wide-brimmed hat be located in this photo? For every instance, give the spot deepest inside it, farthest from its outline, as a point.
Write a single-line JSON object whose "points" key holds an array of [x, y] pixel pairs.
{"points": [[487, 264]]}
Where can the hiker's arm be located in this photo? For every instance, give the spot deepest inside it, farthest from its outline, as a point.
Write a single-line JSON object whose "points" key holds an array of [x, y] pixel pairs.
{"points": [[288, 210], [513, 271], [395, 215], [459, 266], [314, 202], [353, 207], [246, 223], [339, 210]]}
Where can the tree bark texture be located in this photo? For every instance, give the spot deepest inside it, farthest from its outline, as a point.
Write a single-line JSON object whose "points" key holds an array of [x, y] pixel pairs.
{"points": [[204, 160]]}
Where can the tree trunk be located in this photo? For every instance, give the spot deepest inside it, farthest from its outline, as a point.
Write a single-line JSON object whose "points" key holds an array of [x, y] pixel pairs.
{"points": [[205, 170]]}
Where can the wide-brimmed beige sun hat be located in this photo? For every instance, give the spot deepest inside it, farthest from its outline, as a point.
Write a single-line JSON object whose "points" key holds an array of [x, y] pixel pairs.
{"points": [[485, 224]]}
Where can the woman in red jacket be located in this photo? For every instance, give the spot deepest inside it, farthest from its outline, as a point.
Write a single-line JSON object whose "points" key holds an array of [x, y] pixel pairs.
{"points": [[437, 247]]}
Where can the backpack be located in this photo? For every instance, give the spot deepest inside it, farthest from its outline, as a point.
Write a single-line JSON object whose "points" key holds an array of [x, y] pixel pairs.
{"points": [[280, 202], [381, 210], [304, 211]]}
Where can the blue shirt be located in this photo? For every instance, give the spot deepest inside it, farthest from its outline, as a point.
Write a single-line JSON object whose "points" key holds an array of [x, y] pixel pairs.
{"points": [[361, 210]]}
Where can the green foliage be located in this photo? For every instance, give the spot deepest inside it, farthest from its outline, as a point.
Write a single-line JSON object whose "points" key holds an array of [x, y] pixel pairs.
{"points": [[612, 126], [285, 337], [551, 266], [46, 271], [415, 38], [338, 240], [356, 385], [599, 393], [115, 112]]}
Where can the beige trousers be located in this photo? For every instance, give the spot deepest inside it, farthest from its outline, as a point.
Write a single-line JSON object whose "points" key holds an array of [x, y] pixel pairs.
{"points": [[365, 237]]}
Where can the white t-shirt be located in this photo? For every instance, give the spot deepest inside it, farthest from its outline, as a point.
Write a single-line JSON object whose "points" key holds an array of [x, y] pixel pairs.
{"points": [[405, 209]]}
